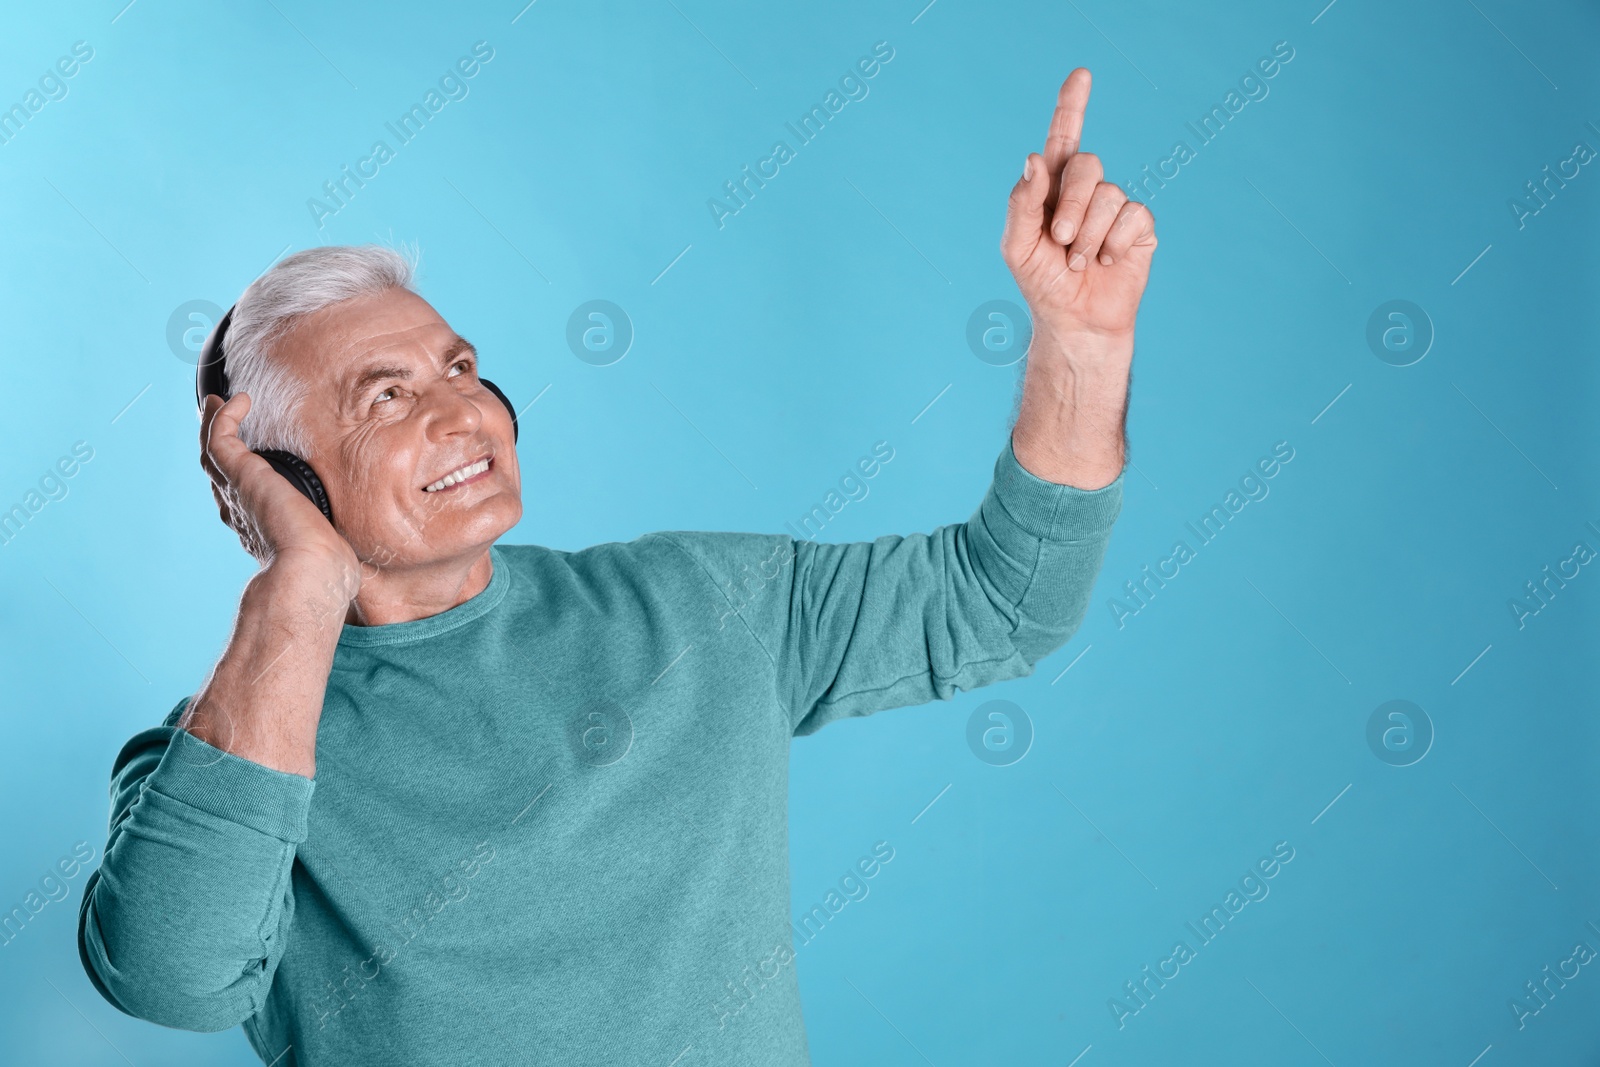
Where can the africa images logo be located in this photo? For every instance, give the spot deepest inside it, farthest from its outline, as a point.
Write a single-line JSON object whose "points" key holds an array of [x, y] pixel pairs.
{"points": [[852, 84], [452, 86]]}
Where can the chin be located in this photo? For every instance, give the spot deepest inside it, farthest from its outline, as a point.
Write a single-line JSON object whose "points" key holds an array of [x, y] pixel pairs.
{"points": [[485, 523]]}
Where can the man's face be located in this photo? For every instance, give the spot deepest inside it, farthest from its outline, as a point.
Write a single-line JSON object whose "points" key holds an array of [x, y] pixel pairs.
{"points": [[394, 406]]}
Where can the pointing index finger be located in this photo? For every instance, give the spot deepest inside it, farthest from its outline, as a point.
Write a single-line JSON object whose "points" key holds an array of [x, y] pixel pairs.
{"points": [[1066, 125]]}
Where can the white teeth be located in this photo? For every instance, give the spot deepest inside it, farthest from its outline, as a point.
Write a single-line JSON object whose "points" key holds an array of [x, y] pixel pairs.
{"points": [[458, 476]]}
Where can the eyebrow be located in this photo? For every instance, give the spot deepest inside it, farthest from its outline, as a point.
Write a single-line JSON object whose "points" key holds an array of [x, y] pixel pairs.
{"points": [[384, 372]]}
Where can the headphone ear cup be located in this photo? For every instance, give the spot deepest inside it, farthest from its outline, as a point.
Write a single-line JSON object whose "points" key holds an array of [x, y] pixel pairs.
{"points": [[209, 375], [301, 476], [495, 389]]}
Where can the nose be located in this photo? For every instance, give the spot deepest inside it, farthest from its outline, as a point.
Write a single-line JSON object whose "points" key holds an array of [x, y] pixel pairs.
{"points": [[450, 410]]}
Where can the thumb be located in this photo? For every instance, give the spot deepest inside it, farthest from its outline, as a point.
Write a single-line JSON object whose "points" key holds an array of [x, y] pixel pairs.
{"points": [[1025, 213], [220, 443]]}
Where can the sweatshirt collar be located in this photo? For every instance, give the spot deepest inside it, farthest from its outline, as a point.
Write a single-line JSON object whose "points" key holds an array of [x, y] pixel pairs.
{"points": [[433, 625]]}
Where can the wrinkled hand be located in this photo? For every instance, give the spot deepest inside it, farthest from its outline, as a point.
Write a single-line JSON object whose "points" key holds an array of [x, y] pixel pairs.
{"points": [[274, 520], [1078, 247]]}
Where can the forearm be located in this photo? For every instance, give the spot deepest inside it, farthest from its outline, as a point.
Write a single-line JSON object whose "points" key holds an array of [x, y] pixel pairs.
{"points": [[189, 913], [263, 700], [185, 920], [1071, 425]]}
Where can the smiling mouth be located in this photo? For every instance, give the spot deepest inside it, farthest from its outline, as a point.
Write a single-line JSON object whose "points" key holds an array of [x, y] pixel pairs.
{"points": [[462, 476]]}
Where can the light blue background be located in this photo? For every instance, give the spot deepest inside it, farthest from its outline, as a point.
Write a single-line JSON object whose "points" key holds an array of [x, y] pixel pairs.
{"points": [[825, 316]]}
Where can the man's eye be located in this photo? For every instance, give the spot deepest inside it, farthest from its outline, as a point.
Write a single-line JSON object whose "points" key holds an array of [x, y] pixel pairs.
{"points": [[387, 394], [467, 363]]}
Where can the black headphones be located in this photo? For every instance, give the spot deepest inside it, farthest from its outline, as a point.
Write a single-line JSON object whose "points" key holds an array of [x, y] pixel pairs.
{"points": [[211, 377]]}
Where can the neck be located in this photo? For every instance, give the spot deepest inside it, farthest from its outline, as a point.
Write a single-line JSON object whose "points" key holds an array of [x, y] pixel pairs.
{"points": [[405, 594]]}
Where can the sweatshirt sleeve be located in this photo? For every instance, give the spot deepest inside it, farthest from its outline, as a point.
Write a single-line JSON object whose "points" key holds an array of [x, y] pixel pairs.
{"points": [[851, 629], [187, 917]]}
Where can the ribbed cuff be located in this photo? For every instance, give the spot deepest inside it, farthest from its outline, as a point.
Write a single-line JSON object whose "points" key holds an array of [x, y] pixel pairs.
{"points": [[239, 790], [1051, 511]]}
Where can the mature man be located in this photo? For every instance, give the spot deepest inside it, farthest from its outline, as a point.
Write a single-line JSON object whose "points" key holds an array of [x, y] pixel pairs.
{"points": [[549, 819]]}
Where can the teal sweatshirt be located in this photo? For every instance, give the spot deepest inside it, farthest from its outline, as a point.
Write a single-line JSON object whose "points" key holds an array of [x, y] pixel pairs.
{"points": [[549, 825]]}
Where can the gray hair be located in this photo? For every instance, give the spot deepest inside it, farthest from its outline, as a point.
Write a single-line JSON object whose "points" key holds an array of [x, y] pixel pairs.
{"points": [[291, 289]]}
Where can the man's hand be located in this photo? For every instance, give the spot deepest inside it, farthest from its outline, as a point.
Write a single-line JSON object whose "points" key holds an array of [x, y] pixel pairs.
{"points": [[1080, 252], [274, 520], [263, 699]]}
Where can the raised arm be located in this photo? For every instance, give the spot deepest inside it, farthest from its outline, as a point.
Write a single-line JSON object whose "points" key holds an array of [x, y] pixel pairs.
{"points": [[185, 920], [264, 698], [1080, 252], [850, 629]]}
